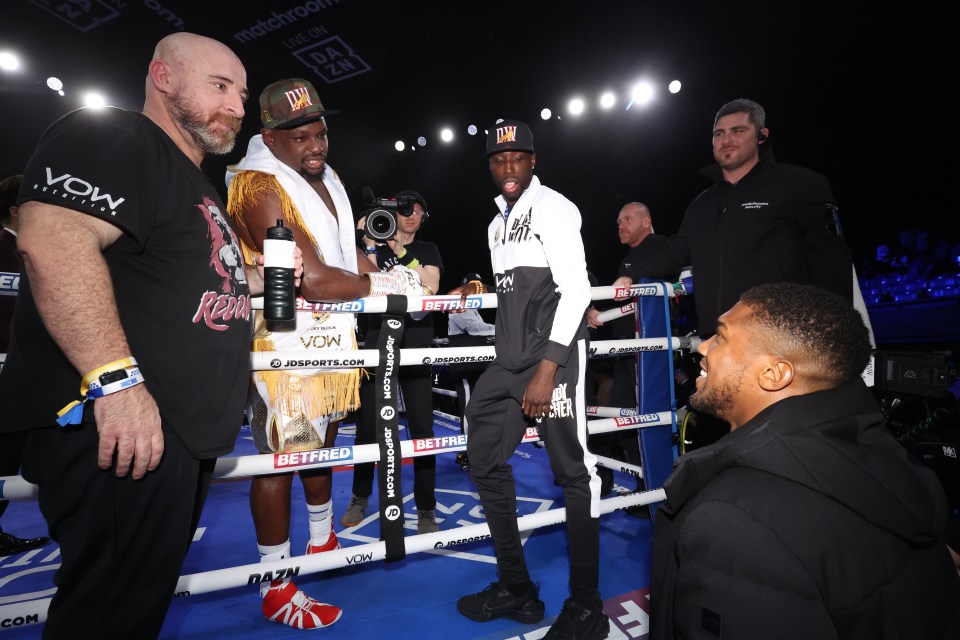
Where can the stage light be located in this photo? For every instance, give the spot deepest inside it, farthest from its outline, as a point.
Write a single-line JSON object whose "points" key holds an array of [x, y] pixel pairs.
{"points": [[398, 145], [94, 100], [576, 106], [9, 61], [55, 84], [607, 100], [446, 135], [545, 114], [422, 141], [642, 93], [472, 129], [674, 87]]}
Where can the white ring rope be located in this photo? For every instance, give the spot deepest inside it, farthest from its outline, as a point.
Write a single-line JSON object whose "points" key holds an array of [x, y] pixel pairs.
{"points": [[415, 304], [351, 358], [619, 465], [16, 488], [619, 312], [219, 579], [610, 412]]}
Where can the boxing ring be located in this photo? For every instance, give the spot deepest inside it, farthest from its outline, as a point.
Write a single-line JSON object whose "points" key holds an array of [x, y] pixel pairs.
{"points": [[654, 417]]}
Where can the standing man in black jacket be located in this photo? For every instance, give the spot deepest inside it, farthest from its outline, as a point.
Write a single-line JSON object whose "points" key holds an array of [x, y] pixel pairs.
{"points": [[635, 229], [761, 222], [809, 520]]}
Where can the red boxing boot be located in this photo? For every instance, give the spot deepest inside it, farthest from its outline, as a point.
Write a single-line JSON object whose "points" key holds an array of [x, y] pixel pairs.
{"points": [[286, 604]]}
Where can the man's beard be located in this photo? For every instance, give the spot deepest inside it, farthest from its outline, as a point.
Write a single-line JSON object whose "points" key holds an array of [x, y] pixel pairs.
{"points": [[313, 177], [718, 401], [206, 138], [734, 162]]}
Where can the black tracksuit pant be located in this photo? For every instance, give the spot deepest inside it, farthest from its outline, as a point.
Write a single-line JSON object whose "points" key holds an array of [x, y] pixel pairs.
{"points": [[416, 383], [122, 541], [496, 428]]}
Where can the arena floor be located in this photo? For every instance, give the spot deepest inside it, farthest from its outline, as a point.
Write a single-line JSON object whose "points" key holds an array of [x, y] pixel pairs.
{"points": [[413, 598]]}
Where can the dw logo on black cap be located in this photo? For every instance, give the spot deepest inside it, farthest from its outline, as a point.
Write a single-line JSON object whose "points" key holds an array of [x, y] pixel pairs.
{"points": [[509, 135]]}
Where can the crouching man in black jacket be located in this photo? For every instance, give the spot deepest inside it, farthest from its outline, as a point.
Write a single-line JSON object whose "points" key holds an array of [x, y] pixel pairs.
{"points": [[808, 520]]}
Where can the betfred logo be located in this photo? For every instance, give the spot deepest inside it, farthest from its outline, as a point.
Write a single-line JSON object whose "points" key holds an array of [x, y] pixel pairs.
{"points": [[9, 283], [629, 421], [352, 306], [300, 458], [444, 442], [471, 302]]}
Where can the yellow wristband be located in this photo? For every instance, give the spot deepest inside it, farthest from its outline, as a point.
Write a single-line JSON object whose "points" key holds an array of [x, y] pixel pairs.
{"points": [[123, 363], [73, 412]]}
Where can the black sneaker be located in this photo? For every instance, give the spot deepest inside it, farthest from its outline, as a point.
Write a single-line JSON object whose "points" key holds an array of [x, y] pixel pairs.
{"points": [[496, 601], [577, 622], [639, 511], [606, 480]]}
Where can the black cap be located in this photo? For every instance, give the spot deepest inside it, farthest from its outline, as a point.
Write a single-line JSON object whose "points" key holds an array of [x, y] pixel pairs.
{"points": [[509, 135], [417, 197]]}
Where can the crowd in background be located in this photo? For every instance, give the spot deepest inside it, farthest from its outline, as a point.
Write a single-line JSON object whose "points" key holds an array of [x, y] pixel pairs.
{"points": [[912, 263]]}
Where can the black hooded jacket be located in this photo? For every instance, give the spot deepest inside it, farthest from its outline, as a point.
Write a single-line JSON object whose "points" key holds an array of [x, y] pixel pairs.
{"points": [[771, 226], [810, 521]]}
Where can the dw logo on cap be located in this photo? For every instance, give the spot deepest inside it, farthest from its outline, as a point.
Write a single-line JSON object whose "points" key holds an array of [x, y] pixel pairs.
{"points": [[299, 98], [290, 103], [509, 135], [506, 134]]}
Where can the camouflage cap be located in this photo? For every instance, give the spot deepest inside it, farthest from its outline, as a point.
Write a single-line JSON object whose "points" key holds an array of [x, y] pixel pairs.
{"points": [[290, 103]]}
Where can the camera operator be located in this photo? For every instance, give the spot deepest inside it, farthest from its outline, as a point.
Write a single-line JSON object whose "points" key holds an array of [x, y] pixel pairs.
{"points": [[415, 381], [403, 248]]}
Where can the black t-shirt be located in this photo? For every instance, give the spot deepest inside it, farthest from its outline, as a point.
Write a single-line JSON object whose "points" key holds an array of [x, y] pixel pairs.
{"points": [[177, 273], [626, 327], [416, 333]]}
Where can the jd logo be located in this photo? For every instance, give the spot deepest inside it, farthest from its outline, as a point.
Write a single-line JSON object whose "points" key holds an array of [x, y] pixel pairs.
{"points": [[392, 512], [394, 324], [387, 413]]}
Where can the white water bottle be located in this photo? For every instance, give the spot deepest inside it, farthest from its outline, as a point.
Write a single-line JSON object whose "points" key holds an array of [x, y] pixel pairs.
{"points": [[278, 289]]}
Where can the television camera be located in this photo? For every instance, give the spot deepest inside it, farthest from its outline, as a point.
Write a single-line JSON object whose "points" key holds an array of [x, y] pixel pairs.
{"points": [[381, 214]]}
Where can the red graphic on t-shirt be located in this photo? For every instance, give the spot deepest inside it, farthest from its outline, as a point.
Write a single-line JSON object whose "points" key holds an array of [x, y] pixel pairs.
{"points": [[225, 259], [225, 256]]}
